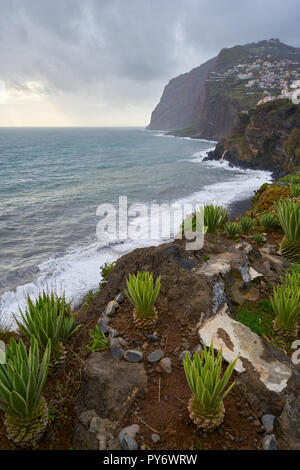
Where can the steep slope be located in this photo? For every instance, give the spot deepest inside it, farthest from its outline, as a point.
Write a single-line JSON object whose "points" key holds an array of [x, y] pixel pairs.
{"points": [[267, 138], [205, 102]]}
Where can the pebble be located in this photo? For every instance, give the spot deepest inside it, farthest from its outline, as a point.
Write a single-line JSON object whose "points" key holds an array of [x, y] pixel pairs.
{"points": [[120, 298], [111, 308], [103, 324], [129, 444], [183, 354], [129, 431], [166, 365], [268, 422], [269, 442], [156, 356], [113, 333], [116, 352], [155, 438], [132, 355], [198, 349], [153, 338], [250, 419]]}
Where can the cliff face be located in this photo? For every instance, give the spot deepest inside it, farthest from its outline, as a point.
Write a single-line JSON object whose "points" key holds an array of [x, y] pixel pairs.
{"points": [[178, 105], [205, 102], [267, 138]]}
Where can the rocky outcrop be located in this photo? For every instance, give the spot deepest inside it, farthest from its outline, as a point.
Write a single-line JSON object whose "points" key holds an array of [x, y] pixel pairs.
{"points": [[287, 429], [199, 106], [106, 394], [266, 138]]}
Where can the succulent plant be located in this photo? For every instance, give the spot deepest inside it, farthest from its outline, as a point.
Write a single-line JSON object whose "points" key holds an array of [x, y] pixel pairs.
{"points": [[232, 229], [204, 376], [48, 318], [142, 293], [22, 381], [246, 224], [289, 218]]}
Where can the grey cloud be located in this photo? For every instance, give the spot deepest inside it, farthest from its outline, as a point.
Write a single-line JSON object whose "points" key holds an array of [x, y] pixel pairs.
{"points": [[118, 51]]}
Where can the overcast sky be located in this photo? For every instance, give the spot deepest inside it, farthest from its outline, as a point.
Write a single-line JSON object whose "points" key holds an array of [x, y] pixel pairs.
{"points": [[106, 62]]}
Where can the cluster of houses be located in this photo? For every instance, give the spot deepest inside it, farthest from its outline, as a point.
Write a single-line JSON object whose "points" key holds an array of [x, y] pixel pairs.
{"points": [[274, 77], [292, 93]]}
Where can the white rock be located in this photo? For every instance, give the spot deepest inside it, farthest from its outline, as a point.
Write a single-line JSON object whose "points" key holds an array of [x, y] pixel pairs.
{"points": [[237, 340], [254, 274]]}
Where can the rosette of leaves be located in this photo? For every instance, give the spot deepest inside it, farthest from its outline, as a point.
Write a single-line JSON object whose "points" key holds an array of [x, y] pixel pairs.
{"points": [[22, 380], [142, 292], [289, 217], [246, 224], [232, 229], [205, 379], [286, 305], [48, 318]]}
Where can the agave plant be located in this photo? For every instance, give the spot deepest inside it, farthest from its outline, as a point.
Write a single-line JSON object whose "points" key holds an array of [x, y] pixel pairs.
{"points": [[268, 221], [232, 229], [48, 318], [295, 190], [289, 218], [203, 374], [22, 381], [246, 224], [286, 305], [214, 218], [142, 293], [259, 238]]}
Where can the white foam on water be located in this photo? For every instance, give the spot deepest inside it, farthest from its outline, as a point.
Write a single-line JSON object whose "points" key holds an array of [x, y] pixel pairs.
{"points": [[78, 271]]}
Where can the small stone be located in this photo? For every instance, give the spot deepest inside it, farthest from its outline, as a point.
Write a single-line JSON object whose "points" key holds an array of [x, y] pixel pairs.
{"points": [[253, 274], [250, 419], [153, 338], [269, 442], [113, 333], [155, 438], [166, 398], [129, 444], [245, 413], [198, 349], [111, 308], [103, 324], [268, 422], [119, 298], [155, 356], [166, 365], [129, 431], [116, 352], [95, 424], [183, 355], [137, 343], [132, 355]]}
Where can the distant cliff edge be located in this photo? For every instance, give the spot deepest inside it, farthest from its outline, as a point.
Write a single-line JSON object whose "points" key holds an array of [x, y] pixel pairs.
{"points": [[266, 138], [206, 102]]}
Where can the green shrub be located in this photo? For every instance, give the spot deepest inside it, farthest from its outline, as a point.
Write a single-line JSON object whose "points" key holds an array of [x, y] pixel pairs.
{"points": [[295, 190], [99, 341], [203, 374], [142, 293], [289, 218], [259, 238], [268, 221], [105, 270], [22, 381], [232, 229], [286, 306], [246, 224], [48, 319], [214, 218]]}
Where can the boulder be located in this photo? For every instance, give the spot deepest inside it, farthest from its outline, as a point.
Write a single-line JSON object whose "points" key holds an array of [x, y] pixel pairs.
{"points": [[107, 391], [265, 370], [287, 426]]}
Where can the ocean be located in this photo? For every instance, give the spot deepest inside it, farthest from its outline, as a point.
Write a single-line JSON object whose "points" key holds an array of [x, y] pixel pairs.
{"points": [[53, 180]]}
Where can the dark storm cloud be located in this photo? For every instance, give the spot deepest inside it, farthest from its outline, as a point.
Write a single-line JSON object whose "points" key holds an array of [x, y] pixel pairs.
{"points": [[122, 51]]}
